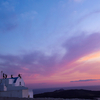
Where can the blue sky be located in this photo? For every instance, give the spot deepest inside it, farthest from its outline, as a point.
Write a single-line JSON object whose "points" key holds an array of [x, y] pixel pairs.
{"points": [[39, 24], [47, 39]]}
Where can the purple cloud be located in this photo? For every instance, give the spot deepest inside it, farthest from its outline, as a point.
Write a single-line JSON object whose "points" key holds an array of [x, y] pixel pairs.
{"points": [[80, 46], [36, 62], [39, 63], [86, 80]]}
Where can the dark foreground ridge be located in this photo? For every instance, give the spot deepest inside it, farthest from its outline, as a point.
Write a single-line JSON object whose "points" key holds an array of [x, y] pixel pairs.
{"points": [[14, 98], [82, 94]]}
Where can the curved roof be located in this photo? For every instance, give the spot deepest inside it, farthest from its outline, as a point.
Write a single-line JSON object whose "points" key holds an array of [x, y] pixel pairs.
{"points": [[15, 79]]}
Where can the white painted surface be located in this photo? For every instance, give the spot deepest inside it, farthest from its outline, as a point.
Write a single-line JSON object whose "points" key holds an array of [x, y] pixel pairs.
{"points": [[17, 93], [5, 88], [30, 93], [11, 81], [14, 87], [19, 82], [25, 93]]}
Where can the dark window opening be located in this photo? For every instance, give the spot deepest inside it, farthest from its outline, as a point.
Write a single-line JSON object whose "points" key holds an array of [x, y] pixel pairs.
{"points": [[19, 83], [28, 96]]}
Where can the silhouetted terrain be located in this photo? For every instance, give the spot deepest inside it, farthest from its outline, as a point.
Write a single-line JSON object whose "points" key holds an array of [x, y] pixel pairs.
{"points": [[86, 94]]}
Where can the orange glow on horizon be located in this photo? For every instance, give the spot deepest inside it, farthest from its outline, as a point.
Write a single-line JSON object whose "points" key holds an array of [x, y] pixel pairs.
{"points": [[80, 69], [91, 57]]}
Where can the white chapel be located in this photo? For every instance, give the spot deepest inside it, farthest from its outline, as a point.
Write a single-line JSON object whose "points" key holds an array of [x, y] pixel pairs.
{"points": [[14, 87]]}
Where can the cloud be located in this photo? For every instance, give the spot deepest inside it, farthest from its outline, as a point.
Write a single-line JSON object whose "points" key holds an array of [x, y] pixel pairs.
{"points": [[91, 68], [77, 47], [88, 15], [81, 45], [86, 80], [32, 63], [82, 19], [40, 66]]}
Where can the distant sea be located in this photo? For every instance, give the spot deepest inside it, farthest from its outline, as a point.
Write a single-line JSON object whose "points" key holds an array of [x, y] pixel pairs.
{"points": [[94, 88]]}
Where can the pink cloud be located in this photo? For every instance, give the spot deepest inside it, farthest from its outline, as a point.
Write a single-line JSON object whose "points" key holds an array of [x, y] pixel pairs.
{"points": [[80, 46], [42, 68]]}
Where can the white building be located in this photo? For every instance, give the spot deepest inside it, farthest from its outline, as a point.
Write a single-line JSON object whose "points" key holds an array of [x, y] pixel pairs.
{"points": [[14, 87]]}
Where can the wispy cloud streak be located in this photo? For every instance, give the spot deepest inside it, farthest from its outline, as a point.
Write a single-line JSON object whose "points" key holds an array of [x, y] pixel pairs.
{"points": [[86, 80], [37, 64], [81, 45]]}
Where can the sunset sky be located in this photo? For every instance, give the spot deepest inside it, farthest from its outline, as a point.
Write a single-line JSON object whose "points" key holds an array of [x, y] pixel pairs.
{"points": [[52, 43]]}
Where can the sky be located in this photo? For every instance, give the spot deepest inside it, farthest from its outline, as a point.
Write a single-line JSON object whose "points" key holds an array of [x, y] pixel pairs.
{"points": [[51, 43]]}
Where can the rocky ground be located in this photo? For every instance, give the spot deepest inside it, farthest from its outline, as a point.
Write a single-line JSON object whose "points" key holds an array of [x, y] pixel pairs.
{"points": [[11, 98]]}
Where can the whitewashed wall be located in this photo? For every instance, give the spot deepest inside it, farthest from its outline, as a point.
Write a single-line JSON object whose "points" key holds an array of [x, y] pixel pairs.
{"points": [[30, 93], [18, 82], [10, 89], [11, 93], [25, 93], [17, 93], [9, 81]]}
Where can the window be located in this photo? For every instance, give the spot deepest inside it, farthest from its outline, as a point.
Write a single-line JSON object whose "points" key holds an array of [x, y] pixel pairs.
{"points": [[19, 83]]}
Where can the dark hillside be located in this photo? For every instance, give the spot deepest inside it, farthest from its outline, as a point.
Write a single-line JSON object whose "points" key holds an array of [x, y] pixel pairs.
{"points": [[86, 94]]}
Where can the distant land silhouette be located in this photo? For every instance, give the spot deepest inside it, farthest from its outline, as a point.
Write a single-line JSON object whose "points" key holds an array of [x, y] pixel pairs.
{"points": [[74, 93], [94, 88]]}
